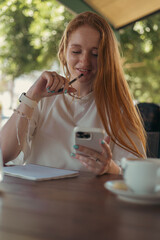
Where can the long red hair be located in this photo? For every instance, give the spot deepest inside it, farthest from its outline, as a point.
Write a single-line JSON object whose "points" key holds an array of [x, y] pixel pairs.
{"points": [[112, 96]]}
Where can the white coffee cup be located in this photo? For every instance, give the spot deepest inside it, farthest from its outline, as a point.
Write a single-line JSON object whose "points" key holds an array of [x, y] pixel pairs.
{"points": [[141, 176]]}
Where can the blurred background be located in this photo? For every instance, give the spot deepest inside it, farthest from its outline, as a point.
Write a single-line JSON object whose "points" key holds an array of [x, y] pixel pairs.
{"points": [[30, 31]]}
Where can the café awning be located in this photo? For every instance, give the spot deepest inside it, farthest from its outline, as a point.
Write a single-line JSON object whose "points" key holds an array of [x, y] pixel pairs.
{"points": [[119, 13]]}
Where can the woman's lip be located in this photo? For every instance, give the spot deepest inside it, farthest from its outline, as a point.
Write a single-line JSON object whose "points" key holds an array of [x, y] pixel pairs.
{"points": [[84, 72]]}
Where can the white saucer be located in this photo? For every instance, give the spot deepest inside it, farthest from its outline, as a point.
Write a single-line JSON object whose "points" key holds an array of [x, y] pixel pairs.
{"points": [[130, 196]]}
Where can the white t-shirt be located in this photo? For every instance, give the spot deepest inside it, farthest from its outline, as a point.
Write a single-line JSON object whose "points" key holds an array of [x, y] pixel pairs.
{"points": [[51, 132]]}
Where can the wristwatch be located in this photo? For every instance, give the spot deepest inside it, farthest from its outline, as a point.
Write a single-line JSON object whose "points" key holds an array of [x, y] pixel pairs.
{"points": [[24, 99]]}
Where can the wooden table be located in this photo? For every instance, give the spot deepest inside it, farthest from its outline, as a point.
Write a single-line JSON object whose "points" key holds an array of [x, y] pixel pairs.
{"points": [[77, 208]]}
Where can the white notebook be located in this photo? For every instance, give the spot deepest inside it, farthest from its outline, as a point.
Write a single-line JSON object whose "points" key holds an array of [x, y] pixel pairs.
{"points": [[38, 172]]}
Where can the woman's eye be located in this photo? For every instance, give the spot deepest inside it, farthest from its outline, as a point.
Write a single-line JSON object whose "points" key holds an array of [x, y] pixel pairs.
{"points": [[79, 52], [76, 52]]}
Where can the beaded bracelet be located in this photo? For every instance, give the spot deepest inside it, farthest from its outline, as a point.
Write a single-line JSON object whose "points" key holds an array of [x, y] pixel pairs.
{"points": [[21, 114]]}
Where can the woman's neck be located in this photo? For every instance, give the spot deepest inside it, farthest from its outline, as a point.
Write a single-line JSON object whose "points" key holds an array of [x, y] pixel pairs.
{"points": [[82, 88]]}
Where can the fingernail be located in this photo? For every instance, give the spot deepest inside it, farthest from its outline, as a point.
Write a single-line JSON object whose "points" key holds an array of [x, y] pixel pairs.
{"points": [[102, 142], [75, 146], [48, 90], [52, 91], [65, 91], [73, 154]]}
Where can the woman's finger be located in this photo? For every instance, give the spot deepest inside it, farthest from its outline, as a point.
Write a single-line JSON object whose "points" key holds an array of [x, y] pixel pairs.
{"points": [[106, 149], [57, 83], [103, 157], [66, 87], [88, 151], [60, 84], [90, 163], [49, 78], [54, 83], [107, 139], [99, 162]]}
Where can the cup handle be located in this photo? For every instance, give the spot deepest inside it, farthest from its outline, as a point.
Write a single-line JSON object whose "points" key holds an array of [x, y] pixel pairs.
{"points": [[123, 162]]}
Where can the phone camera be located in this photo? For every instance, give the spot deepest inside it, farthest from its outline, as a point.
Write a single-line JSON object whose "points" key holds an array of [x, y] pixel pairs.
{"points": [[84, 135]]}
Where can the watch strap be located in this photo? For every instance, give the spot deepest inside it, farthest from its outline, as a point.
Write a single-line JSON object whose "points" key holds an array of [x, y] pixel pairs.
{"points": [[24, 99]]}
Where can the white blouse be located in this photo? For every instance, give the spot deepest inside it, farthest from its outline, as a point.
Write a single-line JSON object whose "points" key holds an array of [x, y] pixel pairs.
{"points": [[51, 135]]}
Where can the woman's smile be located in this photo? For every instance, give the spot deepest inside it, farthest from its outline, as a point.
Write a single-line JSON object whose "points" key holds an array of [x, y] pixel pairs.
{"points": [[81, 56]]}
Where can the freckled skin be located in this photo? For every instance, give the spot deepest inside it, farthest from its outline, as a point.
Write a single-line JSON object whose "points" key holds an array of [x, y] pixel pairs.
{"points": [[81, 56]]}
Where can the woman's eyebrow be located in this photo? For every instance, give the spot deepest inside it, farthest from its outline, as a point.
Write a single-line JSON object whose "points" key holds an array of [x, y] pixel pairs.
{"points": [[78, 45], [75, 45]]}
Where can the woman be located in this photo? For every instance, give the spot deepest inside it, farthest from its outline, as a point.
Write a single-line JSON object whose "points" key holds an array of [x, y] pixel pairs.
{"points": [[99, 98]]}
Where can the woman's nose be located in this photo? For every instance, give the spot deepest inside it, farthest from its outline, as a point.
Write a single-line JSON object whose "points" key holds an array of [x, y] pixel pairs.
{"points": [[86, 59]]}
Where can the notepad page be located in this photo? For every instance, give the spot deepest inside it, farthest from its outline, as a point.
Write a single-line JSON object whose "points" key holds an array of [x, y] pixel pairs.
{"points": [[38, 172]]}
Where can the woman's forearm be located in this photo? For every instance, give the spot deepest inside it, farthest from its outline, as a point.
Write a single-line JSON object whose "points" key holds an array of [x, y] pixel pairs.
{"points": [[14, 132]]}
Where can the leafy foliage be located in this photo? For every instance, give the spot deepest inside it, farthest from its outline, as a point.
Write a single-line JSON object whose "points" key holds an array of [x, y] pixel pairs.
{"points": [[30, 31], [29, 35], [141, 57]]}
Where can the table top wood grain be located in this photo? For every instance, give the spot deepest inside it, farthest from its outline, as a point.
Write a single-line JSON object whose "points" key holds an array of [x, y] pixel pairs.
{"points": [[78, 208]]}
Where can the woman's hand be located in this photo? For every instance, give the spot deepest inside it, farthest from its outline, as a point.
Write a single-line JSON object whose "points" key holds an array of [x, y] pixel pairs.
{"points": [[47, 85], [99, 163]]}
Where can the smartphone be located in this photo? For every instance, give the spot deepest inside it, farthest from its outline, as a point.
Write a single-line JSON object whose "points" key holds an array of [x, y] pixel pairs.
{"points": [[89, 137]]}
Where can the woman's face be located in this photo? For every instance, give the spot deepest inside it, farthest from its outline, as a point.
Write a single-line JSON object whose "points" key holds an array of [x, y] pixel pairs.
{"points": [[82, 53]]}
